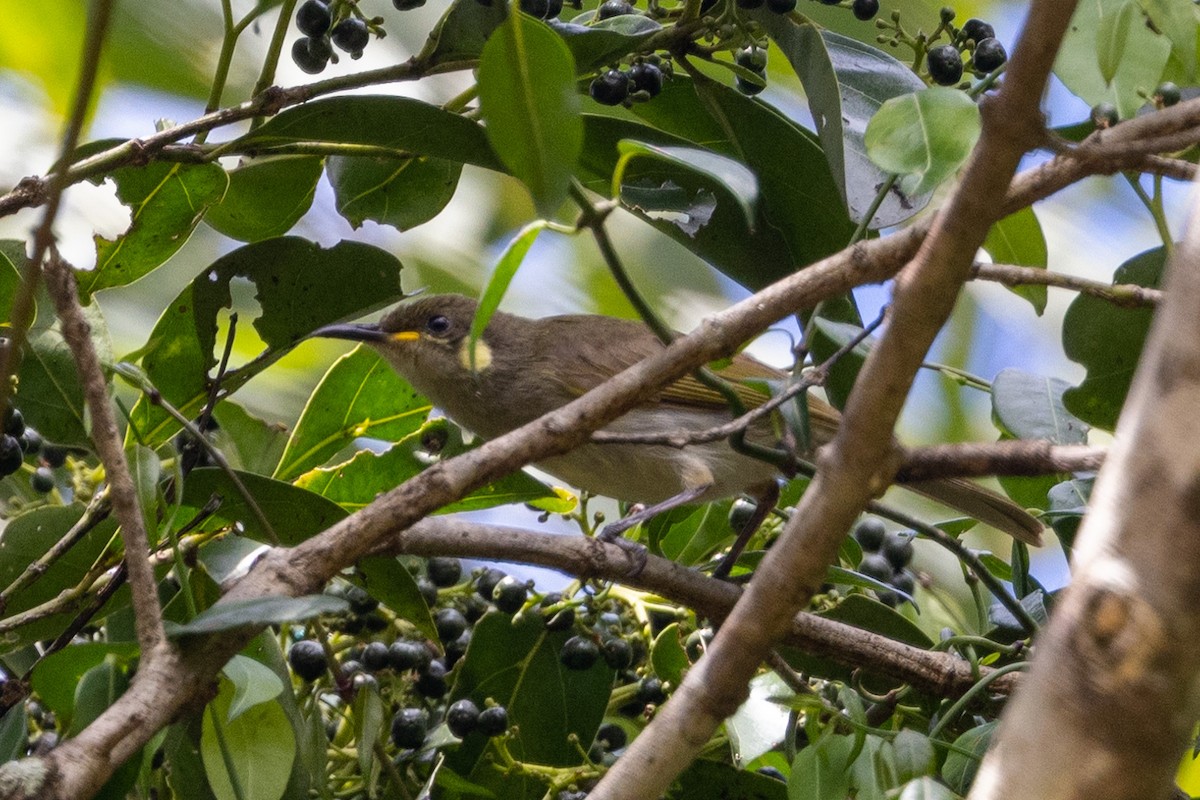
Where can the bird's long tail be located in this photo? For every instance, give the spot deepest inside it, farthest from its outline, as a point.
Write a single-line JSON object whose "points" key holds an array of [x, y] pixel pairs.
{"points": [[984, 505]]}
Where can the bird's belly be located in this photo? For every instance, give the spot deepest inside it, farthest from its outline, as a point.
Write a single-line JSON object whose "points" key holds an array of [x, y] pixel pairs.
{"points": [[651, 473]]}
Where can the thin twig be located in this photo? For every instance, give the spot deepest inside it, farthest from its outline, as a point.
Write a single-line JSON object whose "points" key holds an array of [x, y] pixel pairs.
{"points": [[1127, 295]]}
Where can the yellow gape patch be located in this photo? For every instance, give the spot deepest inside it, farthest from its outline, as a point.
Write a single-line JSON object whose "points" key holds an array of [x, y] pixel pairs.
{"points": [[483, 354]]}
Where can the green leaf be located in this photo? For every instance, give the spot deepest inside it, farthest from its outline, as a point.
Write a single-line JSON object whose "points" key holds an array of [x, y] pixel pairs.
{"points": [[398, 123], [694, 534], [924, 136], [266, 197], [667, 655], [166, 201], [1111, 36], [926, 788], [848, 577], [395, 587], [462, 32], [14, 730], [606, 41], [846, 82], [50, 394], [253, 683], [1108, 341], [360, 395], [356, 483], [97, 690], [12, 259], [706, 779], [1144, 55], [261, 746], [760, 723], [55, 677], [515, 662], [1177, 19], [962, 762], [295, 514], [737, 179], [913, 755], [259, 611], [301, 286], [401, 192], [1018, 239], [250, 444], [1068, 503], [828, 338], [1031, 407], [506, 269], [26, 538], [530, 105], [145, 468], [821, 771], [367, 716]]}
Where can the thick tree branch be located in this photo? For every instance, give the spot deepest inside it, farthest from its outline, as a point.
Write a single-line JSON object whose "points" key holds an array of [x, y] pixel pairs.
{"points": [[849, 469], [1124, 641]]}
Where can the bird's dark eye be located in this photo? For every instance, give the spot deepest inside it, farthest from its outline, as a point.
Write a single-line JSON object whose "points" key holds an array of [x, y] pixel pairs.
{"points": [[438, 325]]}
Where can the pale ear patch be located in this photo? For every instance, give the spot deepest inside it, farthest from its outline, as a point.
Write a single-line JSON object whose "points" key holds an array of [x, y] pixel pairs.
{"points": [[483, 354]]}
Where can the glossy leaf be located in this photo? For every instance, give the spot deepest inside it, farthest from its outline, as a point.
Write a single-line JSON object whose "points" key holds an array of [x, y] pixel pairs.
{"points": [[260, 742], [165, 201], [360, 395], [367, 718], [12, 259], [735, 178], [923, 137], [462, 31], [715, 779], [914, 755], [50, 394], [401, 192], [253, 683], [1111, 36], [1031, 407], [926, 788], [846, 81], [55, 677], [1108, 341], [1068, 503], [1178, 21], [266, 197], [398, 123], [594, 46], [821, 771], [22, 541], [530, 105], [301, 286], [668, 657], [694, 534], [249, 444], [1018, 239], [962, 762], [760, 723], [295, 514], [1092, 40], [258, 611], [97, 690], [14, 732], [395, 587], [516, 663]]}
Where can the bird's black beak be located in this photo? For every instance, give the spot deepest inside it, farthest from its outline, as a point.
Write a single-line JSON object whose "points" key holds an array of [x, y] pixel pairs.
{"points": [[355, 333]]}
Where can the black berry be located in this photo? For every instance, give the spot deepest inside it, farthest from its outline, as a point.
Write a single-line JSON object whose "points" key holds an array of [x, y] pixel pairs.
{"points": [[1104, 115], [14, 423], [53, 455], [903, 581], [313, 18], [360, 600], [781, 6], [751, 58], [351, 35], [462, 717], [869, 534], [646, 78], [11, 456], [444, 571], [650, 690], [618, 654], [772, 772], [579, 653], [989, 55], [865, 9], [457, 649], [409, 727], [613, 8], [741, 513], [487, 581], [945, 65], [429, 592], [307, 658], [747, 87], [42, 480], [611, 736], [450, 624], [405, 655], [1167, 94], [407, 5], [375, 656], [30, 441], [978, 30], [876, 566], [749, 3], [561, 620], [493, 721], [510, 595], [610, 88], [898, 549], [310, 55], [432, 682]]}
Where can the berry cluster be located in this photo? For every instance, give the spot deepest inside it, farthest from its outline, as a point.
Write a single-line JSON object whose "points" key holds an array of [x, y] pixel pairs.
{"points": [[753, 59], [643, 81], [19, 442], [316, 20], [886, 556], [976, 37]]}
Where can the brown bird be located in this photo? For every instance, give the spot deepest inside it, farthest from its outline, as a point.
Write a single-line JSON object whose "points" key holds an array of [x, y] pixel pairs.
{"points": [[525, 368]]}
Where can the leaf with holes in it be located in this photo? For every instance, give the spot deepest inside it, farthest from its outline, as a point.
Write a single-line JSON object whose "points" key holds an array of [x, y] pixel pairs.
{"points": [[360, 395], [739, 181], [924, 136], [166, 201], [529, 102], [401, 192]]}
